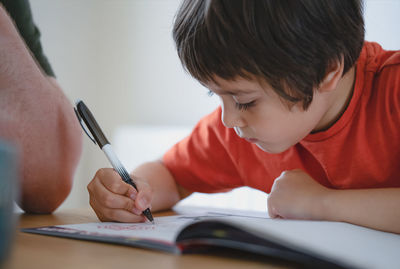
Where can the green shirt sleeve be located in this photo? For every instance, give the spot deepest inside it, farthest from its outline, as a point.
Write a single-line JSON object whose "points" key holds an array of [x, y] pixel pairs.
{"points": [[20, 12]]}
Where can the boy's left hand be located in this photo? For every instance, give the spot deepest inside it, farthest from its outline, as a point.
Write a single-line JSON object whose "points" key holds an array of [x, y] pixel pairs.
{"points": [[296, 195]]}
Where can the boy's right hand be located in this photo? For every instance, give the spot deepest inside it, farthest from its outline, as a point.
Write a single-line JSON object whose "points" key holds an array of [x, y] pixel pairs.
{"points": [[114, 200]]}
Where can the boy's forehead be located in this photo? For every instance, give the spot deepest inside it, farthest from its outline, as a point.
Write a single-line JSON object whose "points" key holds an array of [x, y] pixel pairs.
{"points": [[238, 85]]}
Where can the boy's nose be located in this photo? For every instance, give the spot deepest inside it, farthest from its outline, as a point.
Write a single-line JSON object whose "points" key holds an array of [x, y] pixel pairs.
{"points": [[231, 119]]}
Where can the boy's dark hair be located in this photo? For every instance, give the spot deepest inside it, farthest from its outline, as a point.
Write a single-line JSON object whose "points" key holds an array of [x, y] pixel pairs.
{"points": [[292, 44]]}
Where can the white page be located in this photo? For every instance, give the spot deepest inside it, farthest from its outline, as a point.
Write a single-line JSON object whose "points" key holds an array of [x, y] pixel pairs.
{"points": [[356, 245], [165, 228]]}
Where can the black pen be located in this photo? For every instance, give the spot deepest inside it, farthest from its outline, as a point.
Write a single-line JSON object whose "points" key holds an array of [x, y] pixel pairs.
{"points": [[97, 136]]}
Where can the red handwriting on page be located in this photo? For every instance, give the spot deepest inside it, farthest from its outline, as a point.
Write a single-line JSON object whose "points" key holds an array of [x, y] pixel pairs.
{"points": [[127, 227]]}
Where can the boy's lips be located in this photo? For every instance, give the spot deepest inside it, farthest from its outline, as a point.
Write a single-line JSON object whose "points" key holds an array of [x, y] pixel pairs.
{"points": [[251, 140]]}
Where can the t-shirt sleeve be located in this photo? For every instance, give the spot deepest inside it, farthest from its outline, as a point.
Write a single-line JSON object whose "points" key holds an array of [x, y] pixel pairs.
{"points": [[389, 80], [203, 162], [20, 12]]}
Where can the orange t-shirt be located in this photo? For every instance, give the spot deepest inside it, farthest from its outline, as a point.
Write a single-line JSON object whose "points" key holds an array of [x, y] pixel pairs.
{"points": [[361, 150]]}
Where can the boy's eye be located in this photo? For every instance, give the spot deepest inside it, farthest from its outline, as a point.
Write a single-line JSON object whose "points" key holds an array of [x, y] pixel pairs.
{"points": [[239, 106], [246, 106]]}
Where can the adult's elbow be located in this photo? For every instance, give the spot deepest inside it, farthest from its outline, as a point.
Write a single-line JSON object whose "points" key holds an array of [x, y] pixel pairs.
{"points": [[45, 186], [47, 178], [44, 195]]}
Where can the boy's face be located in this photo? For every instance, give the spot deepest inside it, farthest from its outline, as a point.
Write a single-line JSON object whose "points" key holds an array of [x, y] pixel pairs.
{"points": [[260, 116]]}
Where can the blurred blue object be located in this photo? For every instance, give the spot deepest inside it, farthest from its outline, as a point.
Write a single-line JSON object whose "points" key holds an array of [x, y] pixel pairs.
{"points": [[8, 194]]}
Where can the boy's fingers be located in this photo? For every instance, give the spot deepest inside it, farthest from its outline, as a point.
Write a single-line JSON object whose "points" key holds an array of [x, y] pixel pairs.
{"points": [[271, 210], [132, 194], [143, 198], [111, 200], [273, 214], [114, 200], [113, 182]]}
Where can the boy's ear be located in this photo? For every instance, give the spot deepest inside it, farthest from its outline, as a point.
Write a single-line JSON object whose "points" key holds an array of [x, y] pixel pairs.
{"points": [[332, 77]]}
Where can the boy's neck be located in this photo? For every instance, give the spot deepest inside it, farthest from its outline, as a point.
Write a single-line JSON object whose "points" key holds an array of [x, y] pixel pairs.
{"points": [[341, 97]]}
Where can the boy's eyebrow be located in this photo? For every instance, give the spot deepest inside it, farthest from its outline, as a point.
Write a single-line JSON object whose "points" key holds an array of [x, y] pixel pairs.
{"points": [[233, 92]]}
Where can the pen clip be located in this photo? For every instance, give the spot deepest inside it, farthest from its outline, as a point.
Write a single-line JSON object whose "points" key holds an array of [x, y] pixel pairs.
{"points": [[84, 127]]}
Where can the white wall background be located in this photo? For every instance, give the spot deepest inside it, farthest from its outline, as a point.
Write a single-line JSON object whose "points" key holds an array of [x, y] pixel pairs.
{"points": [[118, 56]]}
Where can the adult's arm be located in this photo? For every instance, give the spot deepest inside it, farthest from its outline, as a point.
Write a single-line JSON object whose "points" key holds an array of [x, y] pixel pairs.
{"points": [[39, 119], [21, 14]]}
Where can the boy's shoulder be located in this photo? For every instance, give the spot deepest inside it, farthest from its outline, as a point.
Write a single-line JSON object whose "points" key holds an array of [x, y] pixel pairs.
{"points": [[391, 63], [380, 73], [380, 60]]}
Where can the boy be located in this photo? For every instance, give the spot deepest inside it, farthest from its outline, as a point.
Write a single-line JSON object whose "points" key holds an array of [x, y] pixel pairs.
{"points": [[310, 113]]}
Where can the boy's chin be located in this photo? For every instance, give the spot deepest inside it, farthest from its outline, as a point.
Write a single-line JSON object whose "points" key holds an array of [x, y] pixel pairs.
{"points": [[272, 149]]}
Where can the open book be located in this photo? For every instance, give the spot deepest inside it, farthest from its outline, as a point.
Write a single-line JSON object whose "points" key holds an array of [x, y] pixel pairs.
{"points": [[311, 243]]}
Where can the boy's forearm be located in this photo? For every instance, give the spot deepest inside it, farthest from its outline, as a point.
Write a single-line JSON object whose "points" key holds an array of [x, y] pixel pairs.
{"points": [[166, 193], [374, 208]]}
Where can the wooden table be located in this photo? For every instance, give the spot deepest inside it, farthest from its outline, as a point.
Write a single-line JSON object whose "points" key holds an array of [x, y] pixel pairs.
{"points": [[38, 251]]}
